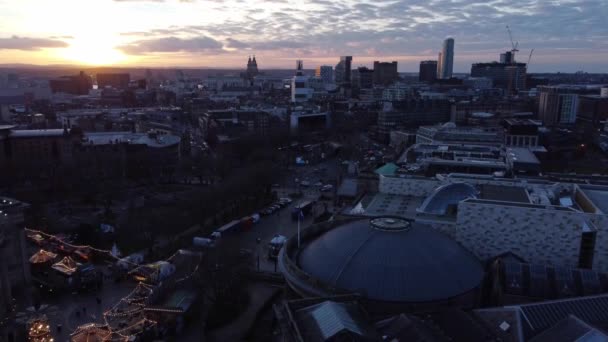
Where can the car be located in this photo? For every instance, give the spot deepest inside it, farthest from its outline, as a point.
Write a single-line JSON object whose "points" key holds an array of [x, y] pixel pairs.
{"points": [[305, 183], [318, 184], [286, 199]]}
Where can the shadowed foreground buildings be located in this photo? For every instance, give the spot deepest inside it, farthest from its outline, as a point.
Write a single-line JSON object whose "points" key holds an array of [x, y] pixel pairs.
{"points": [[14, 266], [50, 152]]}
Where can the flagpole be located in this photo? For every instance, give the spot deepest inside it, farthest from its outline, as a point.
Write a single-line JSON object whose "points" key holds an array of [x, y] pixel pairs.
{"points": [[299, 218]]}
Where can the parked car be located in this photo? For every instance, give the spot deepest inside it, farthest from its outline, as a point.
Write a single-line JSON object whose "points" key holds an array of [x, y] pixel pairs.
{"points": [[286, 199], [305, 183]]}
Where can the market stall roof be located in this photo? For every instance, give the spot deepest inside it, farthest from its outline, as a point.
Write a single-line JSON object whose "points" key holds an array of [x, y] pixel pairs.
{"points": [[66, 266], [90, 333], [155, 272], [42, 257]]}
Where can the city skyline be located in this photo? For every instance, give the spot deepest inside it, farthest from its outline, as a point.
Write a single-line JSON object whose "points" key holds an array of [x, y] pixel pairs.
{"points": [[567, 36]]}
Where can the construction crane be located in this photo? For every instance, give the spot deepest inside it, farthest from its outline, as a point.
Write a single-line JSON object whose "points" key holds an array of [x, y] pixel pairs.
{"points": [[529, 58], [514, 45]]}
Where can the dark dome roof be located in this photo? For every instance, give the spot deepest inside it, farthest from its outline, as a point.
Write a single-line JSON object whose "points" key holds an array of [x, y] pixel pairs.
{"points": [[446, 195], [391, 260]]}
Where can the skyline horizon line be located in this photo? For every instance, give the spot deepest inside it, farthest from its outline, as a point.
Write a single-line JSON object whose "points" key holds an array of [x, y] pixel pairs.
{"points": [[282, 68]]}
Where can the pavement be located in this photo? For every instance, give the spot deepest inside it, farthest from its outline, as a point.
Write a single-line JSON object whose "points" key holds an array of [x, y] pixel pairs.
{"points": [[71, 307]]}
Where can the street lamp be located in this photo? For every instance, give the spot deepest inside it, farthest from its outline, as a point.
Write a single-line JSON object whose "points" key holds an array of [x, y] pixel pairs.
{"points": [[258, 241]]}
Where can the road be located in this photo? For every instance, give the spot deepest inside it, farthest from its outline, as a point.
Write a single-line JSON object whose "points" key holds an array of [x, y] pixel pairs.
{"points": [[278, 223]]}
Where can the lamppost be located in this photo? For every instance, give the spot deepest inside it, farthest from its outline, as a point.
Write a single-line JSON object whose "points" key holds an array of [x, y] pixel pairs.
{"points": [[258, 241]]}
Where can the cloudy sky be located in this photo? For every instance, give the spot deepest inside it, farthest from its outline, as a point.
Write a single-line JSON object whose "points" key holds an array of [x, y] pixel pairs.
{"points": [[567, 35]]}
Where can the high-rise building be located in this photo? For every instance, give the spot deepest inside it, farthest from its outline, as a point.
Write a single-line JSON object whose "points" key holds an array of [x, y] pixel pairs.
{"points": [[363, 78], [75, 85], [511, 76], [559, 104], [385, 72], [447, 59], [428, 71], [300, 91], [508, 57], [343, 70], [118, 81], [326, 73], [439, 64], [592, 111]]}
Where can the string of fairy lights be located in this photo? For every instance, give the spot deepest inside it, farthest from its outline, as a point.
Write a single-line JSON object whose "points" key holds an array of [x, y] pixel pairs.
{"points": [[136, 298]]}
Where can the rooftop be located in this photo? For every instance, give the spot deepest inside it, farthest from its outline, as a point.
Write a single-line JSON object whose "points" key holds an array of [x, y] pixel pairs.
{"points": [[598, 195], [106, 138], [504, 193], [388, 260], [33, 133], [521, 155]]}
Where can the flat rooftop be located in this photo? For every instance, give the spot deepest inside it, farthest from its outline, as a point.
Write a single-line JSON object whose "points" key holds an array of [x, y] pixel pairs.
{"points": [[598, 195], [522, 155], [503, 193], [105, 138], [381, 204], [33, 133]]}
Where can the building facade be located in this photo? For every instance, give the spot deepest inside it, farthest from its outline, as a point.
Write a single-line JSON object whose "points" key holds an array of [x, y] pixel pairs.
{"points": [[114, 80], [343, 71], [508, 76], [558, 105], [14, 268], [80, 84], [446, 59], [428, 71], [326, 73], [300, 90], [385, 72], [363, 78]]}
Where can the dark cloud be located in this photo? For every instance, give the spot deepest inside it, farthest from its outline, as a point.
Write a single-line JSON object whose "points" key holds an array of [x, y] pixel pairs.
{"points": [[173, 44], [24, 43]]}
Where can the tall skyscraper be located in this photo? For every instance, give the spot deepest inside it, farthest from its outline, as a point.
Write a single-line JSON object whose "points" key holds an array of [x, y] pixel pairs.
{"points": [[428, 71], [343, 70], [325, 72], [446, 59]]}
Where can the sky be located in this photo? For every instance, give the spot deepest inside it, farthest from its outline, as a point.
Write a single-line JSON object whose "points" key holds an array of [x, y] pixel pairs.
{"points": [[566, 35]]}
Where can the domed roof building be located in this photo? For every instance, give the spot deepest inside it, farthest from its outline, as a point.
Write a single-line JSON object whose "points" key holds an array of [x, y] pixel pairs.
{"points": [[389, 262]]}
